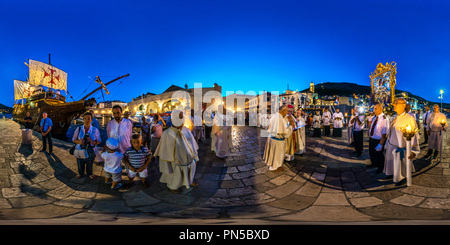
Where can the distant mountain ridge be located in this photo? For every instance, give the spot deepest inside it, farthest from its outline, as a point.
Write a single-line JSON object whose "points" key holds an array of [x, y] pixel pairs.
{"points": [[6, 108], [348, 89]]}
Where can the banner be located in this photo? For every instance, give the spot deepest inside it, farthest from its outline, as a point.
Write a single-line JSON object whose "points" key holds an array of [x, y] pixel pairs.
{"points": [[46, 75]]}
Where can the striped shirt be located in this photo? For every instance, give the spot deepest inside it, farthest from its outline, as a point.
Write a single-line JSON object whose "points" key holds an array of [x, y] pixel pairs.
{"points": [[137, 158]]}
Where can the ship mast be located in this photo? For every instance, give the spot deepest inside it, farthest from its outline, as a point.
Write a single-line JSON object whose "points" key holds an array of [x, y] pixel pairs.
{"points": [[103, 85], [51, 78]]}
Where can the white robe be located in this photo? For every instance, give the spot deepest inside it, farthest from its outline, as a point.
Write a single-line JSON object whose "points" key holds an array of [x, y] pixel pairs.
{"points": [[395, 140], [198, 131], [336, 122], [317, 121], [221, 131], [326, 118], [435, 127], [350, 130], [177, 159], [301, 135], [275, 147]]}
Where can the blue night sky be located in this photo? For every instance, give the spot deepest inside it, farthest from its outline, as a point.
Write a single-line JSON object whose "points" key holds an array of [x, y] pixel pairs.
{"points": [[239, 44]]}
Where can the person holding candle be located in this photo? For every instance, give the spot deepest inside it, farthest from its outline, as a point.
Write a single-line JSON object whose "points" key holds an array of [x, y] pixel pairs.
{"points": [[436, 123], [395, 159]]}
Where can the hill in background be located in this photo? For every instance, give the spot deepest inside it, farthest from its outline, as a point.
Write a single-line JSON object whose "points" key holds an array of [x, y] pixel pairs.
{"points": [[348, 89]]}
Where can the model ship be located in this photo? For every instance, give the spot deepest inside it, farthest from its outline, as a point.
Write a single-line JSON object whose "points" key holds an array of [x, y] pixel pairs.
{"points": [[31, 96]]}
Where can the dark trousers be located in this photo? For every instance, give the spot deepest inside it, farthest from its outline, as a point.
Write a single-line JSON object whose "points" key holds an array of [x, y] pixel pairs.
{"points": [[317, 132], [337, 132], [376, 157], [326, 130], [44, 142], [208, 132], [426, 135], [358, 138], [85, 164]]}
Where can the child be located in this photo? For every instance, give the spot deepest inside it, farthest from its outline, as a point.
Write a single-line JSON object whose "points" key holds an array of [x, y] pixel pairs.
{"points": [[112, 167], [137, 157]]}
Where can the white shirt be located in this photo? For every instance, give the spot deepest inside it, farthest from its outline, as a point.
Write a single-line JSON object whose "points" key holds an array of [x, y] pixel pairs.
{"points": [[317, 121], [326, 118], [121, 132], [425, 117], [93, 132], [337, 123], [434, 122], [395, 136], [356, 125], [381, 126], [112, 162], [197, 121]]}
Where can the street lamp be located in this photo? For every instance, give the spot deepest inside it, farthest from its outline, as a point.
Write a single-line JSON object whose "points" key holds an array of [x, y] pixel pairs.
{"points": [[441, 97]]}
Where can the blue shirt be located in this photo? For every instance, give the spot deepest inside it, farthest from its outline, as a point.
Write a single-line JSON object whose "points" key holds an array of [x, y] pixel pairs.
{"points": [[48, 123], [95, 123]]}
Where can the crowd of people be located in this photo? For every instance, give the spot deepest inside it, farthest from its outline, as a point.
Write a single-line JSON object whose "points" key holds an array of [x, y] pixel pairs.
{"points": [[387, 144], [175, 146]]}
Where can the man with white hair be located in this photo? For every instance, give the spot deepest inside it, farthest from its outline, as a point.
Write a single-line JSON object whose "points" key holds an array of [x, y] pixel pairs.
{"points": [[436, 123], [395, 160], [278, 131]]}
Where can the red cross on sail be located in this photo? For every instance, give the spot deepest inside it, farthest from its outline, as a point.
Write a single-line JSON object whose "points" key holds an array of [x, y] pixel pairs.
{"points": [[42, 74]]}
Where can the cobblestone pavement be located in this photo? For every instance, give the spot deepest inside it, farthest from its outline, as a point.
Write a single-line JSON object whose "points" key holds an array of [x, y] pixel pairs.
{"points": [[327, 184]]}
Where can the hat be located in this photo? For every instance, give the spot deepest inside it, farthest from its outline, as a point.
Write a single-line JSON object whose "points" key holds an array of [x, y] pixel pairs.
{"points": [[112, 143], [290, 106]]}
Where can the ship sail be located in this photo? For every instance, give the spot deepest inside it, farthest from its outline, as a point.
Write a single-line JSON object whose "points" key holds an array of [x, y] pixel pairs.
{"points": [[46, 75], [22, 90]]}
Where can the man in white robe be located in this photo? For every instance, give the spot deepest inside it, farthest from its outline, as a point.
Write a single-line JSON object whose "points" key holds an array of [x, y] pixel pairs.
{"points": [[301, 133], [337, 123], [275, 147], [177, 157], [436, 123], [317, 124], [326, 117], [395, 159], [221, 130]]}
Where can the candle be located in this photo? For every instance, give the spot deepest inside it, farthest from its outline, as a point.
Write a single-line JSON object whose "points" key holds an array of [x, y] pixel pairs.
{"points": [[408, 129]]}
